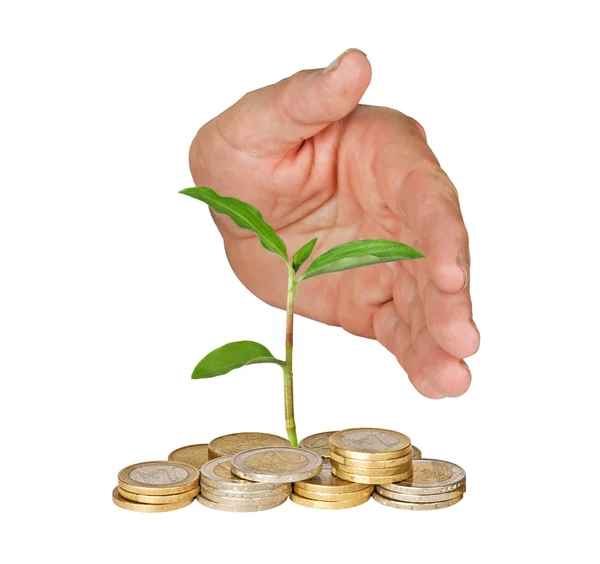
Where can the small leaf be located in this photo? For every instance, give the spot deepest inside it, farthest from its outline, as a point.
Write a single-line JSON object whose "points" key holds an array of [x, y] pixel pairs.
{"points": [[244, 215], [232, 356], [359, 253], [302, 254]]}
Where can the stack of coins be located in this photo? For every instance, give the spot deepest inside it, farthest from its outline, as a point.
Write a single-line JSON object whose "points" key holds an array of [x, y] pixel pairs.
{"points": [[228, 445], [371, 456], [194, 455], [155, 487], [220, 489], [434, 484], [325, 491]]}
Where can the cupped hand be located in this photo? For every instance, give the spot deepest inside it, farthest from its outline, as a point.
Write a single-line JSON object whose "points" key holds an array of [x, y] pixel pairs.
{"points": [[317, 164]]}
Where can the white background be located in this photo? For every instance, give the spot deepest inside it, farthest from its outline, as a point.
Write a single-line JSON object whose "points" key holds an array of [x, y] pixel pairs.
{"points": [[113, 286]]}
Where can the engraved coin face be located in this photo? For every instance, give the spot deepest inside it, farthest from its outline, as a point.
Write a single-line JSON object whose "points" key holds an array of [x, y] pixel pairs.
{"points": [[229, 445], [194, 455], [318, 443], [276, 461], [431, 477], [276, 464], [369, 443], [159, 478]]}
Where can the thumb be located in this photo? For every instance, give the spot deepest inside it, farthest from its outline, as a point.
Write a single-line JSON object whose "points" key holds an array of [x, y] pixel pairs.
{"points": [[270, 121]]}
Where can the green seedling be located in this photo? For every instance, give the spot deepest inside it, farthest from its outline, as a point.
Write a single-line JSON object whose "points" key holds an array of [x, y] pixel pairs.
{"points": [[343, 257]]}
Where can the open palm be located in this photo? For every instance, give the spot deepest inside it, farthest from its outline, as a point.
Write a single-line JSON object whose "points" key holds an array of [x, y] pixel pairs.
{"points": [[317, 164]]}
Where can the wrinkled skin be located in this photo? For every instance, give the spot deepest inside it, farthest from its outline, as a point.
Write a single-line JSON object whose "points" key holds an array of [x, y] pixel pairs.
{"points": [[317, 164]]}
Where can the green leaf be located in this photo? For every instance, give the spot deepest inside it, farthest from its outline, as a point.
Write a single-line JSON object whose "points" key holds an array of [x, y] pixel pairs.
{"points": [[359, 253], [302, 254], [244, 215], [232, 356]]}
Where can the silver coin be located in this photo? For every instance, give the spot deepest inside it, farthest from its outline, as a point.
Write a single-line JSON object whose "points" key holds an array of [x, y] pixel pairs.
{"points": [[276, 464], [318, 443], [430, 477], [414, 506], [265, 494], [430, 498], [217, 474], [237, 508], [416, 452], [239, 501]]}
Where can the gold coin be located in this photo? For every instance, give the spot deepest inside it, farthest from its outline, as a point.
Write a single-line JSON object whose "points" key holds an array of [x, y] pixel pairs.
{"points": [[318, 443], [431, 477], [119, 500], [416, 452], [370, 464], [159, 499], [326, 482], [194, 455], [430, 498], [370, 479], [415, 506], [370, 444], [237, 508], [159, 478], [228, 445], [328, 504], [372, 471], [317, 496], [276, 464]]}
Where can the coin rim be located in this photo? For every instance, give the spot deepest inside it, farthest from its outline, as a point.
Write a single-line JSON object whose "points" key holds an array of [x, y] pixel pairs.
{"points": [[235, 508], [130, 485], [125, 503], [408, 498], [364, 454], [257, 494], [315, 504], [320, 496], [158, 499], [386, 501], [359, 479], [239, 468], [370, 464], [215, 498], [377, 472], [437, 488], [218, 454]]}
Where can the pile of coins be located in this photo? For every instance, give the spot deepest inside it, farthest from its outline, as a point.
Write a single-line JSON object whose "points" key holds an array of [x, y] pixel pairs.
{"points": [[246, 472], [156, 487], [434, 484], [371, 456]]}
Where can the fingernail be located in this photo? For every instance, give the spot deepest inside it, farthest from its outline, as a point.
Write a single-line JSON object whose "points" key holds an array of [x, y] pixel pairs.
{"points": [[465, 365], [462, 263], [336, 61]]}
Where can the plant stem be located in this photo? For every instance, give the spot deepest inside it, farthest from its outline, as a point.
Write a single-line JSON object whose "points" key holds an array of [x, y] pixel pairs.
{"points": [[288, 375]]}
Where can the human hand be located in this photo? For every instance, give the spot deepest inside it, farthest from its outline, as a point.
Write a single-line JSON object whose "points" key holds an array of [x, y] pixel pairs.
{"points": [[317, 164]]}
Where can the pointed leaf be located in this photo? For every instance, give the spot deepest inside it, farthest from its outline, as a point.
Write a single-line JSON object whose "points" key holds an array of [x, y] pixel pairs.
{"points": [[232, 356], [359, 253], [302, 254], [244, 215]]}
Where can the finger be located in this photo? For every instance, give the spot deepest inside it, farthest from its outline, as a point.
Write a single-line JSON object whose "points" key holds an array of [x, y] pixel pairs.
{"points": [[270, 121], [430, 203], [447, 374], [395, 335]]}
